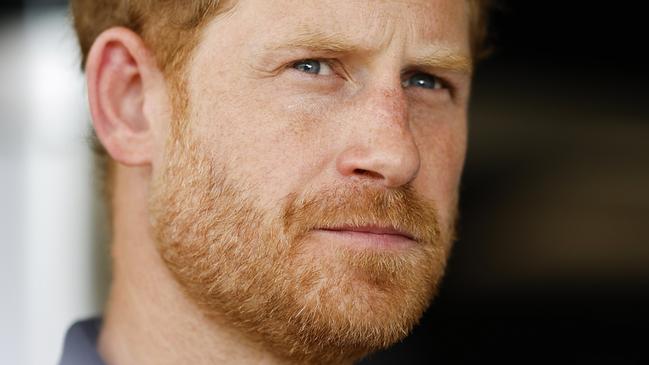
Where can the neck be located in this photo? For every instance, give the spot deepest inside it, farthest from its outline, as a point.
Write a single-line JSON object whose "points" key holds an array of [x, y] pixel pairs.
{"points": [[148, 319]]}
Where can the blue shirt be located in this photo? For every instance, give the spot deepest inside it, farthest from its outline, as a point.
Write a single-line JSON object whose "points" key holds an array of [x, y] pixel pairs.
{"points": [[80, 347]]}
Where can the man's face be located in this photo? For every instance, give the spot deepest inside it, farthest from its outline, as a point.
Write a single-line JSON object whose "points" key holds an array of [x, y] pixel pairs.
{"points": [[310, 195]]}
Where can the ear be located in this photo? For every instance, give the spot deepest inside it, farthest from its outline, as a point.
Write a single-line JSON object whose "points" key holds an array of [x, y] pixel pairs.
{"points": [[120, 70]]}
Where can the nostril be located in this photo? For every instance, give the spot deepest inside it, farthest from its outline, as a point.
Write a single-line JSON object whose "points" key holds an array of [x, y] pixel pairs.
{"points": [[368, 173]]}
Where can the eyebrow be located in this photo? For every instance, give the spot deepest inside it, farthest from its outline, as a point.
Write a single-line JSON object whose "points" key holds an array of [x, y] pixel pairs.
{"points": [[445, 59], [441, 58], [315, 40]]}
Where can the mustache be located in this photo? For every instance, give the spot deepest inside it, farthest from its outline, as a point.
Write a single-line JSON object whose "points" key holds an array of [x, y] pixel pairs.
{"points": [[401, 209]]}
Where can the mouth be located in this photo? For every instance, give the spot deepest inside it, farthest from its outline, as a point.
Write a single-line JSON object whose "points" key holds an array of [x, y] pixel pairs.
{"points": [[386, 237]]}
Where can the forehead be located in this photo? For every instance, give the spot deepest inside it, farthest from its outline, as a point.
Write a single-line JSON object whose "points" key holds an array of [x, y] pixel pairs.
{"points": [[370, 23]]}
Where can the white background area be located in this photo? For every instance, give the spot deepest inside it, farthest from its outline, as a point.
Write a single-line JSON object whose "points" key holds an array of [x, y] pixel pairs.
{"points": [[47, 244]]}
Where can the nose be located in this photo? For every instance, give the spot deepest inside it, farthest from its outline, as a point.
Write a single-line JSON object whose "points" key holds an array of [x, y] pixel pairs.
{"points": [[381, 147]]}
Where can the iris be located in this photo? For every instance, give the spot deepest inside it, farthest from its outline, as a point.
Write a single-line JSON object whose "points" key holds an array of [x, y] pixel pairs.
{"points": [[423, 80], [308, 66]]}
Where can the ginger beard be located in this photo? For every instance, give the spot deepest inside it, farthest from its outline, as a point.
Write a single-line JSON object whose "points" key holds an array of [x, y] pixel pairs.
{"points": [[264, 272]]}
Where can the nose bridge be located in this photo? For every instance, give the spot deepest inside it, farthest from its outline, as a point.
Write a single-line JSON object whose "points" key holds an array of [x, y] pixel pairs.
{"points": [[383, 146], [391, 106]]}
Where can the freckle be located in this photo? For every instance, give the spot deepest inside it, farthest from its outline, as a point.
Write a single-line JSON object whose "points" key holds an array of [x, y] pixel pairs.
{"points": [[300, 123], [389, 93], [395, 104]]}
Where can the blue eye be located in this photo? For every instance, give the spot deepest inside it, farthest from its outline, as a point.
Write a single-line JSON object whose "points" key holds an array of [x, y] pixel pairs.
{"points": [[313, 67], [423, 80], [308, 66]]}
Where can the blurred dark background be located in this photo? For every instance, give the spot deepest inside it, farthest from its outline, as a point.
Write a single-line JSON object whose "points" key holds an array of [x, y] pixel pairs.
{"points": [[552, 264]]}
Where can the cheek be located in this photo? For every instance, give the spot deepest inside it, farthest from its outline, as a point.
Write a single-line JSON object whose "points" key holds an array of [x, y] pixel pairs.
{"points": [[269, 140], [442, 146]]}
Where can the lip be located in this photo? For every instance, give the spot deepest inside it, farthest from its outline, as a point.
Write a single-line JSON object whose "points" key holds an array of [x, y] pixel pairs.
{"points": [[377, 230], [370, 236]]}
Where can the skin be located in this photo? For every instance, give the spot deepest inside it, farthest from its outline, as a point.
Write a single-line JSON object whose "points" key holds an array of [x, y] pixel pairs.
{"points": [[278, 131]]}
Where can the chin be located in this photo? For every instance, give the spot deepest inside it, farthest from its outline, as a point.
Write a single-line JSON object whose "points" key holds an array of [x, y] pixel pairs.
{"points": [[360, 300]]}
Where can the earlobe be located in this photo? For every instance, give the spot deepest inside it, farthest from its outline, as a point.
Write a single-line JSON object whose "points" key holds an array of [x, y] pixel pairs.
{"points": [[118, 69]]}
